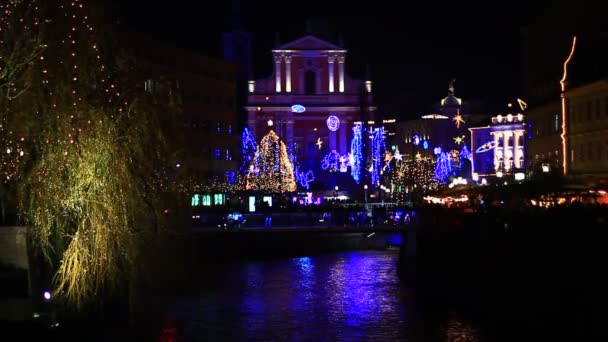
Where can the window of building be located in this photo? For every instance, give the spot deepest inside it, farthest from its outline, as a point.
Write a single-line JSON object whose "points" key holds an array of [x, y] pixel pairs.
{"points": [[556, 122], [207, 200], [219, 199], [598, 109], [229, 130], [228, 154], [218, 153], [218, 127], [310, 81], [149, 86]]}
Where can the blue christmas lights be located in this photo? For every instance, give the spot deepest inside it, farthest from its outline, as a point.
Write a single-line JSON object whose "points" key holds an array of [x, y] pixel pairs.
{"points": [[378, 147], [443, 167], [249, 149], [356, 154]]}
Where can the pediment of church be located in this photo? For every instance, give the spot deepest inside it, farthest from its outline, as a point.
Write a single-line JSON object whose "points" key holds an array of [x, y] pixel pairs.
{"points": [[309, 43]]}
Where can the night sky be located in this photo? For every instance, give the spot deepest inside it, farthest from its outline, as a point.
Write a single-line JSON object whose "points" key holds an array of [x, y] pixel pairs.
{"points": [[413, 48]]}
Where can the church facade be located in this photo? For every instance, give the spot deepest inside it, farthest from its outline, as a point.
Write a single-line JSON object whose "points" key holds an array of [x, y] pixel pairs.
{"points": [[315, 107]]}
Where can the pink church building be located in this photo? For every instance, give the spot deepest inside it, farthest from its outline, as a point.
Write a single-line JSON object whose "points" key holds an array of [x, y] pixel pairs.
{"points": [[312, 104]]}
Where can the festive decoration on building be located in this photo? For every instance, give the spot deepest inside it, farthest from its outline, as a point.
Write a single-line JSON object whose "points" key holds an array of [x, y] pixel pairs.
{"points": [[458, 119], [459, 140], [298, 108], [319, 143], [356, 155], [272, 169], [249, 149], [416, 139], [331, 161], [333, 123], [388, 157], [305, 178], [377, 152], [397, 155], [465, 153], [486, 147], [443, 168]]}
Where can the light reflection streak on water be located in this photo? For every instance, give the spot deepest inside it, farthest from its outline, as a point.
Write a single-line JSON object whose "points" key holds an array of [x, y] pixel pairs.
{"points": [[337, 297]]}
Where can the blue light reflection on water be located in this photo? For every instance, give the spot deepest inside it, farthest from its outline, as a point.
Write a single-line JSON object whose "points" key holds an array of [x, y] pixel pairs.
{"points": [[348, 296]]}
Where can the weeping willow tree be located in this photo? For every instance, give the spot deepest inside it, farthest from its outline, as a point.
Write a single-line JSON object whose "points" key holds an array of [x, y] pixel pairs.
{"points": [[91, 143]]}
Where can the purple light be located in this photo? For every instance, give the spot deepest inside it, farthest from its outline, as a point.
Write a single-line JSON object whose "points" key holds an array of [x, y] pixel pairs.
{"points": [[333, 123], [47, 295]]}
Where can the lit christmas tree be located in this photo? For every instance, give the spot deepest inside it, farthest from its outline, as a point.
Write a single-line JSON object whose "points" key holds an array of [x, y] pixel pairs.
{"points": [[443, 167], [272, 170]]}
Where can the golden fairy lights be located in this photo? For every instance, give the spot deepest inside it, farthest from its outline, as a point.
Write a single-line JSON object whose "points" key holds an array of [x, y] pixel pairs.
{"points": [[271, 171], [414, 176], [85, 189]]}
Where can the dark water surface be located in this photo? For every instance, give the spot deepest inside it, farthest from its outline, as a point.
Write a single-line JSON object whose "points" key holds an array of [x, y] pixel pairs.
{"points": [[345, 296]]}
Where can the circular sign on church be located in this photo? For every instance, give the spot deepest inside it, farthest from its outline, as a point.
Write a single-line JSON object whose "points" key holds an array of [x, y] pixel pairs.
{"points": [[333, 123], [298, 108]]}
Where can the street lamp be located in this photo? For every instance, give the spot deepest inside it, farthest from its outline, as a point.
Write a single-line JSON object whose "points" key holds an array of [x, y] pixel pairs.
{"points": [[365, 190]]}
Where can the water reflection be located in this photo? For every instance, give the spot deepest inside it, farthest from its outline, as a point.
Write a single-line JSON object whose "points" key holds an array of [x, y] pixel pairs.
{"points": [[338, 297]]}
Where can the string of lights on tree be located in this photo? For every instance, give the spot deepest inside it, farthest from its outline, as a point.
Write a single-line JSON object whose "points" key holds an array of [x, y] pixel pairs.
{"points": [[85, 189], [411, 175], [271, 170]]}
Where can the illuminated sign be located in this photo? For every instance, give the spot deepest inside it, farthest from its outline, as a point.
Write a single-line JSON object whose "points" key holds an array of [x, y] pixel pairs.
{"points": [[416, 139], [486, 147], [298, 108], [333, 123]]}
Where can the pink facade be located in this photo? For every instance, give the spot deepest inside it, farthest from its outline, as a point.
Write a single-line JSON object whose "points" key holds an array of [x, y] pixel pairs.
{"points": [[309, 72]]}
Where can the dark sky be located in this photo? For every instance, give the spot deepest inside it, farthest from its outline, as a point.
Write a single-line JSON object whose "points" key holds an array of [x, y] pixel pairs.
{"points": [[413, 47]]}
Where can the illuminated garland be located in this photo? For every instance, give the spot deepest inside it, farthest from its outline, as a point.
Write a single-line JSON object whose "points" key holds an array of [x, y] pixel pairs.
{"points": [[249, 149], [443, 167], [377, 153], [356, 153], [271, 170]]}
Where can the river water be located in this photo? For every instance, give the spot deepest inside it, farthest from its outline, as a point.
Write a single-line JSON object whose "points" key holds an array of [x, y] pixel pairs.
{"points": [[344, 296]]}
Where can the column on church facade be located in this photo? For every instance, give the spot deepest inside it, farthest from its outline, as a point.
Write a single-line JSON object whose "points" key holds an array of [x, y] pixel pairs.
{"points": [[516, 149], [505, 154], [343, 130], [278, 127], [289, 130], [330, 68], [497, 151], [277, 71], [332, 140], [251, 122], [341, 74], [288, 74]]}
